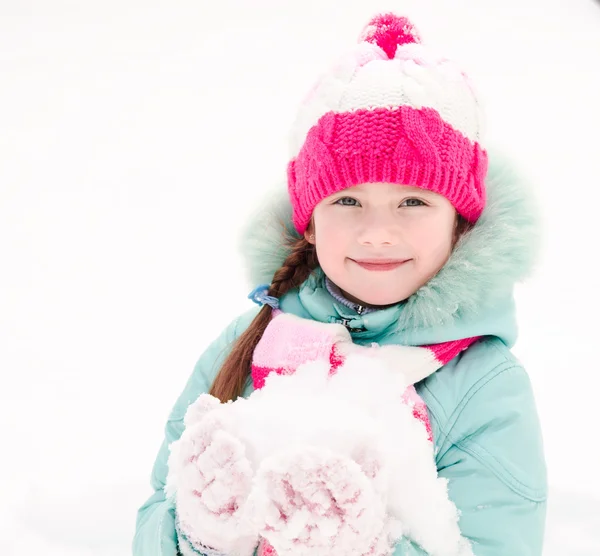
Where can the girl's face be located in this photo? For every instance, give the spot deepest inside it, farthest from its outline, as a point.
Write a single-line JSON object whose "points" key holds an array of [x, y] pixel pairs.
{"points": [[377, 222]]}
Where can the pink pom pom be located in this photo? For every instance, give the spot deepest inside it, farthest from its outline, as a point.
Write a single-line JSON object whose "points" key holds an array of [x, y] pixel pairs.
{"points": [[389, 31]]}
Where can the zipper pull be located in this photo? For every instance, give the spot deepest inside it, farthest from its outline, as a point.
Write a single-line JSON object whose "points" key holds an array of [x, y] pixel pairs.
{"points": [[360, 309], [346, 324]]}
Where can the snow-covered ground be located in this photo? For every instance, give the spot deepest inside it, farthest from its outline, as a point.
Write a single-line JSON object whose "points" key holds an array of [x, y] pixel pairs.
{"points": [[135, 137]]}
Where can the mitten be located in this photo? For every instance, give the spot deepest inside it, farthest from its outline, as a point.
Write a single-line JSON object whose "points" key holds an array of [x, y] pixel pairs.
{"points": [[312, 501], [210, 478]]}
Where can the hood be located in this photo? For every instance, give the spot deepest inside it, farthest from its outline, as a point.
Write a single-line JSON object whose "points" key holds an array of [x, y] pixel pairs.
{"points": [[475, 283]]}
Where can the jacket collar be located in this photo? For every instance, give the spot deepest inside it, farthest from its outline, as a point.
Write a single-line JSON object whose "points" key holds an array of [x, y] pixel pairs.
{"points": [[313, 300]]}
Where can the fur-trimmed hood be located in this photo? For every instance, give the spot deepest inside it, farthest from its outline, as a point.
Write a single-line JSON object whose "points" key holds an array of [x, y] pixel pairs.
{"points": [[498, 252]]}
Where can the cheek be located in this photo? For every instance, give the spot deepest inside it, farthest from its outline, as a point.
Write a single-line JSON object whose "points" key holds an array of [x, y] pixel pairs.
{"points": [[332, 241], [433, 241], [332, 230]]}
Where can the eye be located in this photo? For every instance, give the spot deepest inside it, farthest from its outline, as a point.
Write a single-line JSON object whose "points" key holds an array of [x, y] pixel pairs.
{"points": [[347, 202], [413, 202]]}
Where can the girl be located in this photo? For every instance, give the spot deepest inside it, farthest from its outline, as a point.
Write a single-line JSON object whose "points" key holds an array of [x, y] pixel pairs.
{"points": [[398, 228]]}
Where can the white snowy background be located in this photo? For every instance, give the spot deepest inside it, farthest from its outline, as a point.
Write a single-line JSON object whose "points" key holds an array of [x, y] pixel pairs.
{"points": [[134, 139]]}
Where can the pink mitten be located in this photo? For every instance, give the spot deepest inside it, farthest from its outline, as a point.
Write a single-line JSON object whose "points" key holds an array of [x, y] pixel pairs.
{"points": [[312, 501], [210, 478]]}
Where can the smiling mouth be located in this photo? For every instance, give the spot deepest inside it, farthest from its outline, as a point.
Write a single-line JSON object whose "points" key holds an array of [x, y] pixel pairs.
{"points": [[381, 264]]}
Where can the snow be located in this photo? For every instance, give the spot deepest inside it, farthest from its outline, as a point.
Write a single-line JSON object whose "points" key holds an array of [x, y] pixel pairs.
{"points": [[124, 126], [350, 446]]}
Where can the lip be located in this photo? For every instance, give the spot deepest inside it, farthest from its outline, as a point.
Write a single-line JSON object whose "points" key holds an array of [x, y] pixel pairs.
{"points": [[379, 264]]}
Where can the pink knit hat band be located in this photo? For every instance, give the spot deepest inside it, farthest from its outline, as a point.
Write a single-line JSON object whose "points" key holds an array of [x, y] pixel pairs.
{"points": [[404, 146]]}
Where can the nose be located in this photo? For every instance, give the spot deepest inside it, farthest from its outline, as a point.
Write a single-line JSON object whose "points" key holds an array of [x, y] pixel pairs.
{"points": [[377, 228]]}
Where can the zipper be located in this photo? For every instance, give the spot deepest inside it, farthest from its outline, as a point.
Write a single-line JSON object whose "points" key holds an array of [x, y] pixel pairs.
{"points": [[346, 322]]}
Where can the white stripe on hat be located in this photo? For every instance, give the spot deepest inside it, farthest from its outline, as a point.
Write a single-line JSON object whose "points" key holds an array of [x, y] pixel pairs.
{"points": [[413, 78]]}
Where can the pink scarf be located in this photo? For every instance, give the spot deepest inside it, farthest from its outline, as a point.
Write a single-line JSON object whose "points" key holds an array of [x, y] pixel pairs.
{"points": [[289, 341]]}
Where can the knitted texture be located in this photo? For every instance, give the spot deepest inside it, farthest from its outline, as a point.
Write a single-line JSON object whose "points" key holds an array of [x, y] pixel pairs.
{"points": [[389, 111], [288, 342]]}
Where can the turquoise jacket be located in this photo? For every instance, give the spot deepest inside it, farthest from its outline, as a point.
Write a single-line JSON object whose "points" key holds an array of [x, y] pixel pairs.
{"points": [[488, 441]]}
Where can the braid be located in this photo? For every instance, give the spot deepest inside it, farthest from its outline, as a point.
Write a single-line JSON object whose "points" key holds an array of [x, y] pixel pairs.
{"points": [[231, 379], [296, 268]]}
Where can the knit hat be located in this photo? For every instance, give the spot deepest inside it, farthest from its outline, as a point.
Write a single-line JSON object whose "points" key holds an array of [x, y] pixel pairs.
{"points": [[389, 111]]}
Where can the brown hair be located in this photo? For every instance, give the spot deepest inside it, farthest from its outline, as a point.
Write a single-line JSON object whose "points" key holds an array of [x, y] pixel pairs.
{"points": [[461, 227], [297, 267]]}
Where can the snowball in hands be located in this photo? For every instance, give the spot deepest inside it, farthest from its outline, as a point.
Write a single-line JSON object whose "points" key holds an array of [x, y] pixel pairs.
{"points": [[316, 464]]}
